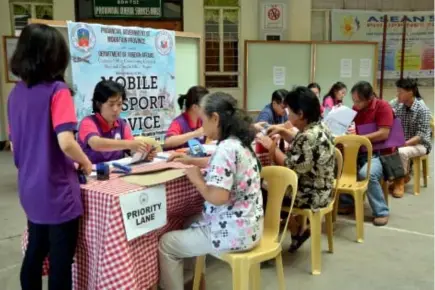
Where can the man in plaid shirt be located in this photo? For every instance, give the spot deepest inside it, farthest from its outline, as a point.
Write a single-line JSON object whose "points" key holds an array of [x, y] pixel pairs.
{"points": [[416, 119]]}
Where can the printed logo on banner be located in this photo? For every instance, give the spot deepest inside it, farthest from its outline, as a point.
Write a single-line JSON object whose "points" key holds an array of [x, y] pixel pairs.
{"points": [[164, 42], [83, 37], [350, 25]]}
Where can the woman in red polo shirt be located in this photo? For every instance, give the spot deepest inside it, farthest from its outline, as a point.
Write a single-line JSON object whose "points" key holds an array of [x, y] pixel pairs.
{"points": [[188, 125]]}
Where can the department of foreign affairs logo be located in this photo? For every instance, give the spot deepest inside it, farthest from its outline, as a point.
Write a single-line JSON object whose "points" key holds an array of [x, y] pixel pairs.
{"points": [[143, 198], [164, 42], [83, 37]]}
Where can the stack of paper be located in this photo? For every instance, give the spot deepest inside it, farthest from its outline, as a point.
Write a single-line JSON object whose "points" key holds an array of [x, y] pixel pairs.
{"points": [[339, 119]]}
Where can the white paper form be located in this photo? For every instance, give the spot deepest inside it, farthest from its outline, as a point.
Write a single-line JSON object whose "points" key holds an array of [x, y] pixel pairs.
{"points": [[346, 68], [279, 75], [339, 119], [365, 67]]}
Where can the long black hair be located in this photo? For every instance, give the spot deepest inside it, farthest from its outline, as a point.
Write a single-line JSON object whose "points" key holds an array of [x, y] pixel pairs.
{"points": [[105, 90], [409, 85], [193, 97], [42, 55], [335, 88], [315, 86], [232, 121]]}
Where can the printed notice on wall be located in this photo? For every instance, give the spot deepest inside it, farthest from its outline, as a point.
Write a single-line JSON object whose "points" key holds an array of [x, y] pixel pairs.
{"points": [[279, 76], [273, 15], [346, 68], [143, 211], [365, 67]]}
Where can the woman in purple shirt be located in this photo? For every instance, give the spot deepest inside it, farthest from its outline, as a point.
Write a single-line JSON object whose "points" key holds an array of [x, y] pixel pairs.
{"points": [[187, 125], [104, 136], [42, 123]]}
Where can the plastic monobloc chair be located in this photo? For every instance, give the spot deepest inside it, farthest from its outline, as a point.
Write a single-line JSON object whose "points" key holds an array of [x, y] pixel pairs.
{"points": [[246, 265]]}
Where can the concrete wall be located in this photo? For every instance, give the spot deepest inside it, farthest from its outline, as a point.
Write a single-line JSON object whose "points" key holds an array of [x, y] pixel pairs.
{"points": [[298, 26]]}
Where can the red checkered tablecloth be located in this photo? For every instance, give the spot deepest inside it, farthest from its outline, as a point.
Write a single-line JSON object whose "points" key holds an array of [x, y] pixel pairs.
{"points": [[104, 258]]}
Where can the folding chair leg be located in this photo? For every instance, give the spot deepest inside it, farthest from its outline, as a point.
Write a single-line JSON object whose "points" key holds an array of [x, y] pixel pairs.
{"points": [[255, 279], [240, 275], [199, 266], [316, 251], [280, 272], [417, 178], [425, 171], [330, 231], [359, 216]]}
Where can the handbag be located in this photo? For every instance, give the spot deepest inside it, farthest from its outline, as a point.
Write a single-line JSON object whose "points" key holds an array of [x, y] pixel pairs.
{"points": [[392, 166]]}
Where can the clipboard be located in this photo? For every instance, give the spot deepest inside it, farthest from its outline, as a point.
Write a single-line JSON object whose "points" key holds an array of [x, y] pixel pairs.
{"points": [[396, 138]]}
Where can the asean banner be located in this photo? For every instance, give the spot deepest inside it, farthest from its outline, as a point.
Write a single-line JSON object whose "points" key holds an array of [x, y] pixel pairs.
{"points": [[141, 59], [368, 26]]}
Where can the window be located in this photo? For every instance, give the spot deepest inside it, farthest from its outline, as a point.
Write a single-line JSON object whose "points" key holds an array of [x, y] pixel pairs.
{"points": [[273, 37], [172, 9], [22, 11], [320, 19], [221, 43]]}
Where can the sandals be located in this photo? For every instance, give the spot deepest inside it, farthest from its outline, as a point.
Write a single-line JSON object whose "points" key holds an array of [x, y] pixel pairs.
{"points": [[299, 240]]}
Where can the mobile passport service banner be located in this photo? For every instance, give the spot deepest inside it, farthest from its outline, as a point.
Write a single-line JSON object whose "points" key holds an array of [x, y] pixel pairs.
{"points": [[140, 59]]}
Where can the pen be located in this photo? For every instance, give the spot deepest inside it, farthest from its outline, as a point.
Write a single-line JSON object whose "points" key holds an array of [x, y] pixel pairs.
{"points": [[161, 157], [124, 168]]}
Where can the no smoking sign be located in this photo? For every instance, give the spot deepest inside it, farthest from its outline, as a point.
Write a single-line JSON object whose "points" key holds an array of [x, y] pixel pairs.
{"points": [[274, 13], [273, 16]]}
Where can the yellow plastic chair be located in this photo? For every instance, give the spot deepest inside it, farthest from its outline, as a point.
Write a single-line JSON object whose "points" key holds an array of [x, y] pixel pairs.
{"points": [[348, 183], [151, 141], [316, 217], [416, 161], [246, 265]]}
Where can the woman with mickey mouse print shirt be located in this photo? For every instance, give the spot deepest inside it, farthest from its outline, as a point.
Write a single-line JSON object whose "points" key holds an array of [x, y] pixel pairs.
{"points": [[232, 219]]}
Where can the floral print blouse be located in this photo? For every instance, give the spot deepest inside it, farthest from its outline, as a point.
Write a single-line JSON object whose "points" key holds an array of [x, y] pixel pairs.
{"points": [[237, 225], [312, 157]]}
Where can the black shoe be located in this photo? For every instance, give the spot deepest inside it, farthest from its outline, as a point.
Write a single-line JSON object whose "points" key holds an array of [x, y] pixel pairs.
{"points": [[297, 241]]}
